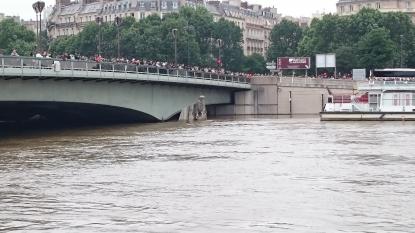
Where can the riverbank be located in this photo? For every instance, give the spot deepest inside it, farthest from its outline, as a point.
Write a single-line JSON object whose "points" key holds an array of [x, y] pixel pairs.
{"points": [[284, 96]]}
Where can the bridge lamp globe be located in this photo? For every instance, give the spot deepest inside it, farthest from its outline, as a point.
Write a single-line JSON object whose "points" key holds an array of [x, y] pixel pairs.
{"points": [[38, 7]]}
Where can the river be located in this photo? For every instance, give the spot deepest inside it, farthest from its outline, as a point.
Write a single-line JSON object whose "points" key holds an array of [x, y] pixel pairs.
{"points": [[225, 175]]}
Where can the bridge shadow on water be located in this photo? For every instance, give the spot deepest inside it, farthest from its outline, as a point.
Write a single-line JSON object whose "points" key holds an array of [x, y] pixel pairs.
{"points": [[23, 117]]}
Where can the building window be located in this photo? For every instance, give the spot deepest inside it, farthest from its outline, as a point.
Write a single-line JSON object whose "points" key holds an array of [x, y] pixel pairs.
{"points": [[351, 8], [175, 5], [342, 9], [141, 4], [153, 4], [132, 15], [408, 4], [164, 5], [142, 15], [378, 5]]}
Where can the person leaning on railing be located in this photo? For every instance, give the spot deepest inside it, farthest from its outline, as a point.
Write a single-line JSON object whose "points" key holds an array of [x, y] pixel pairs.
{"points": [[14, 53]]}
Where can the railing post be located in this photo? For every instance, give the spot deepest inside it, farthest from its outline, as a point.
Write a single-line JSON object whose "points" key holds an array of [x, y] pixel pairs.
{"points": [[2, 64], [113, 70], [21, 66], [72, 69]]}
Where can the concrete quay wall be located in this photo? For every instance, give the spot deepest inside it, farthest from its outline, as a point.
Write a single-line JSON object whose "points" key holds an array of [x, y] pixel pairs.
{"points": [[284, 96]]}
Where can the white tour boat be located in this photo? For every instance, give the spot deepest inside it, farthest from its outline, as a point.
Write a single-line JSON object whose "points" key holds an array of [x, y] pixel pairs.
{"points": [[388, 96]]}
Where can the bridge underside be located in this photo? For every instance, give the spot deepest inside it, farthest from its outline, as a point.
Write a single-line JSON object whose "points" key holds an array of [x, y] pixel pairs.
{"points": [[61, 113], [100, 101]]}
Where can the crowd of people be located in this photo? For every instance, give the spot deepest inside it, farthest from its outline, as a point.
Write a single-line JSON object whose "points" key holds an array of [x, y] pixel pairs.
{"points": [[152, 63], [219, 70]]}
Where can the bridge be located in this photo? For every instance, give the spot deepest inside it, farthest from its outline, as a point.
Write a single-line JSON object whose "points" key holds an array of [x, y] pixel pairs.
{"points": [[32, 88]]}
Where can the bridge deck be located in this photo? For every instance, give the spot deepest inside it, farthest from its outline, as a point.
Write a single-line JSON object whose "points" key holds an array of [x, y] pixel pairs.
{"points": [[27, 68]]}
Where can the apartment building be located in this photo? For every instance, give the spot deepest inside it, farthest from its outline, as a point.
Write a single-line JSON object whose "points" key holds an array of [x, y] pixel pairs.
{"points": [[256, 22], [348, 7], [70, 17]]}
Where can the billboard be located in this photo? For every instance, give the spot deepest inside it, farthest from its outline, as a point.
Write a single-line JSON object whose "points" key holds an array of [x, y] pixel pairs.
{"points": [[359, 74], [293, 63], [325, 60]]}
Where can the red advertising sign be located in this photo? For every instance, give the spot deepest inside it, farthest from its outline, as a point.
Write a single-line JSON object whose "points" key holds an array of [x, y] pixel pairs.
{"points": [[293, 63]]}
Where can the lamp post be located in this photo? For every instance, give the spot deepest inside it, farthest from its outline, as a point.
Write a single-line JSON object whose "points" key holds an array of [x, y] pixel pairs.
{"points": [[211, 41], [220, 44], [188, 29], [174, 33], [118, 21], [401, 37], [99, 22], [38, 8]]}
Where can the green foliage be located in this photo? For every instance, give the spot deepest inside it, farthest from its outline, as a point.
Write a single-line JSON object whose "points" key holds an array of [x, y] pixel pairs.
{"points": [[376, 49], [284, 40], [152, 39], [16, 36], [255, 64], [369, 39]]}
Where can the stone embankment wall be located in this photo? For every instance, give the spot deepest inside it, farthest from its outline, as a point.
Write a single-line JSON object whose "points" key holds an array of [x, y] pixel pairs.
{"points": [[284, 96]]}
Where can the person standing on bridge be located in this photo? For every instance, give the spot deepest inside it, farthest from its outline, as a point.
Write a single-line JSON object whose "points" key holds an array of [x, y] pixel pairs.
{"points": [[14, 53]]}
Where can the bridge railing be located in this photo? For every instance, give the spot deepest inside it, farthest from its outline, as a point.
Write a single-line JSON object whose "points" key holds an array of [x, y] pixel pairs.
{"points": [[75, 65]]}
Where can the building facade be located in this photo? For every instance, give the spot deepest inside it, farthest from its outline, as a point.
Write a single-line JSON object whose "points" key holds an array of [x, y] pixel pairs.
{"points": [[69, 18], [256, 22], [348, 7]]}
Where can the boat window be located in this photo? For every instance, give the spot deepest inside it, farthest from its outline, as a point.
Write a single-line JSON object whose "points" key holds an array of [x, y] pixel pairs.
{"points": [[396, 100], [407, 99]]}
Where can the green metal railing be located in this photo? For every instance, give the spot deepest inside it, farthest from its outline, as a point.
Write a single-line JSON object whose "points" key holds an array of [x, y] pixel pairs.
{"points": [[70, 67]]}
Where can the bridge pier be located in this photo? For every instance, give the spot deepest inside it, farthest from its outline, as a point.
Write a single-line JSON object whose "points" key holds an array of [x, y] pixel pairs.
{"points": [[194, 112]]}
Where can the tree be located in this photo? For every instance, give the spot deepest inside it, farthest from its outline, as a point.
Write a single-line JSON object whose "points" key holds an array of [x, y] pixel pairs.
{"points": [[376, 49], [15, 36], [346, 59], [197, 37], [285, 38], [230, 49], [255, 64]]}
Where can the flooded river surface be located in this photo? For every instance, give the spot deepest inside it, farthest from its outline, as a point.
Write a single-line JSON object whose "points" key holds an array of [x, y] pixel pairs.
{"points": [[240, 175]]}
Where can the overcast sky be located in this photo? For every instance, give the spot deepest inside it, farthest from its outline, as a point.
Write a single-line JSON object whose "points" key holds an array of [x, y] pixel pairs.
{"points": [[23, 8]]}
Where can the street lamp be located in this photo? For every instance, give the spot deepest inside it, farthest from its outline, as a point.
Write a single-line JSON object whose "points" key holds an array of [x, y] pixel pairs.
{"points": [[174, 33], [401, 36], [188, 29], [211, 41], [38, 8], [99, 22], [118, 21], [220, 44]]}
